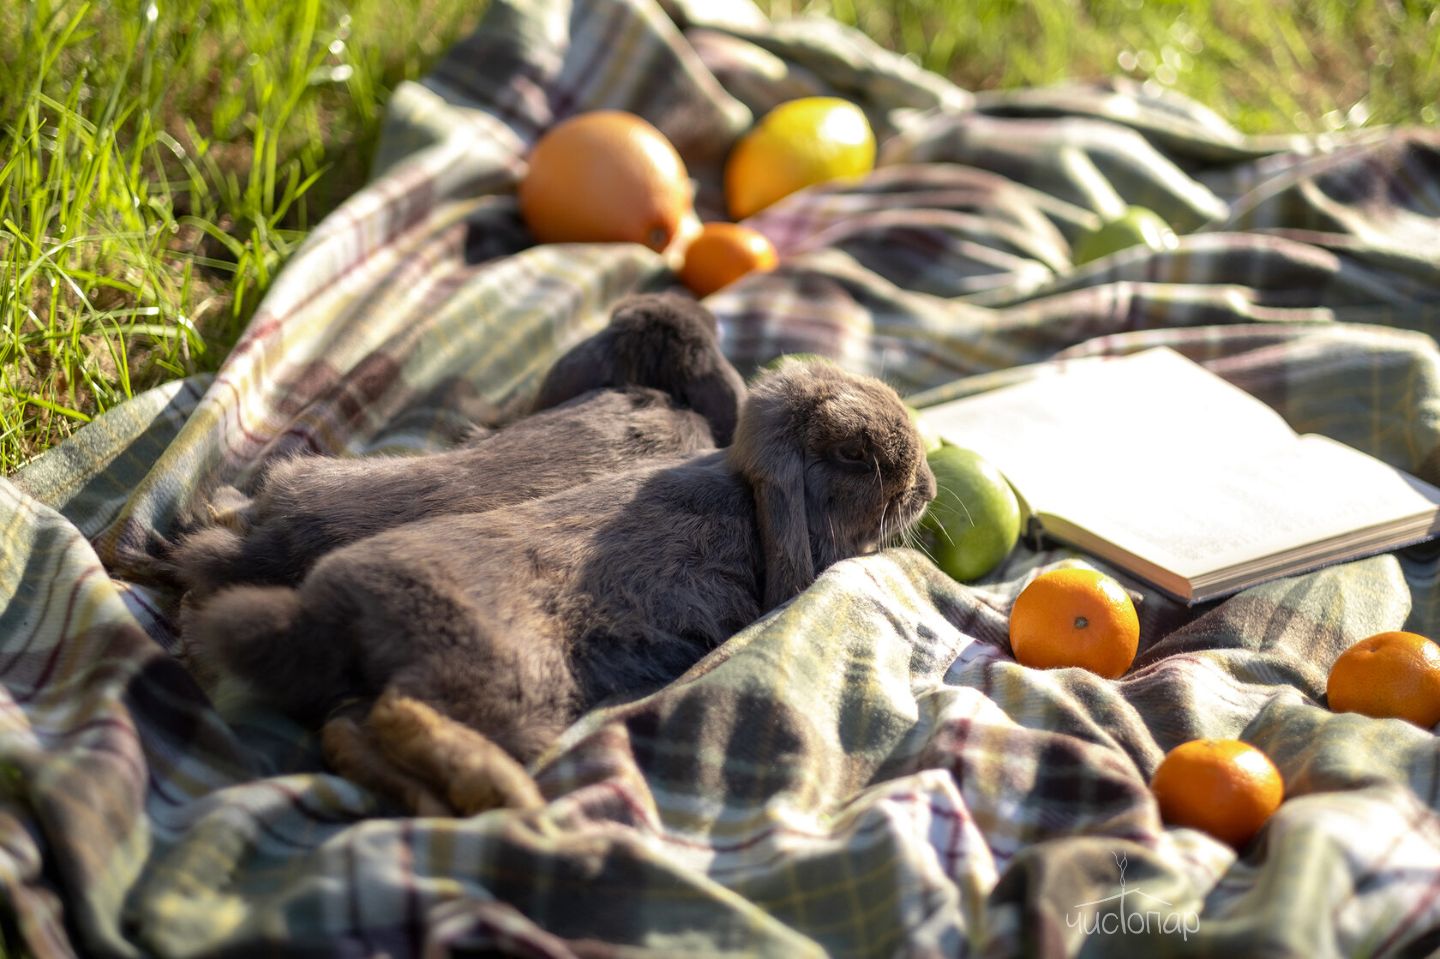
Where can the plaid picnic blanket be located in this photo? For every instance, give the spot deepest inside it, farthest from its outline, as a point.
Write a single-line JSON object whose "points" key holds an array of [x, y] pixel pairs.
{"points": [[867, 771]]}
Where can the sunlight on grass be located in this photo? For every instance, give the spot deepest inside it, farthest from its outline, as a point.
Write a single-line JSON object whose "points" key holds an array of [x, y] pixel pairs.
{"points": [[162, 160], [1309, 66]]}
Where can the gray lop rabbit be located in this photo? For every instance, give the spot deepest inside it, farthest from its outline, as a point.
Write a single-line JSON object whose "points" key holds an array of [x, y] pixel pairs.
{"points": [[651, 383], [479, 637]]}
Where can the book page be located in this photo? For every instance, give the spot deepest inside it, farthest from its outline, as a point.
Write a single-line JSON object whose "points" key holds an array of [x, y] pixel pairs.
{"points": [[1173, 465], [1195, 520], [1074, 435]]}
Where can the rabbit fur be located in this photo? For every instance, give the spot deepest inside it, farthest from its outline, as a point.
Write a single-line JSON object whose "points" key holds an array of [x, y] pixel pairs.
{"points": [[514, 621], [652, 383], [666, 341]]}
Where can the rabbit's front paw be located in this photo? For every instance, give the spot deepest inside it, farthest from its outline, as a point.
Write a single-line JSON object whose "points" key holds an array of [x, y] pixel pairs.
{"points": [[230, 508]]}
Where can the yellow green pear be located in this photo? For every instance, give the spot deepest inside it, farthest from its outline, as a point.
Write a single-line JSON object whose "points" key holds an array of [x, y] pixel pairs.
{"points": [[974, 521]]}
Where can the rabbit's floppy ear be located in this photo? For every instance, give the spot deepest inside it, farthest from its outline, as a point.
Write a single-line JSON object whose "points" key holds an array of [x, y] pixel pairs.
{"points": [[769, 452], [587, 366], [716, 395], [667, 341]]}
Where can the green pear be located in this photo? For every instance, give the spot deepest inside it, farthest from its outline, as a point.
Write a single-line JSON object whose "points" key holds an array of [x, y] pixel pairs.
{"points": [[974, 521], [1137, 226]]}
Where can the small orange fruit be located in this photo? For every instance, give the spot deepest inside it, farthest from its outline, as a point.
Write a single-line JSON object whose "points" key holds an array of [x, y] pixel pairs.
{"points": [[1075, 617], [1224, 787], [606, 176], [1388, 675], [722, 253]]}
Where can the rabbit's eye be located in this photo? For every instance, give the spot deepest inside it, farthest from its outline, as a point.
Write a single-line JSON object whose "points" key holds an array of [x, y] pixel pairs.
{"points": [[852, 454]]}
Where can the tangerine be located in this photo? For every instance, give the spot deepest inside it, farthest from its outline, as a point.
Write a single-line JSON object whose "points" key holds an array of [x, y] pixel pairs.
{"points": [[1389, 675], [606, 176], [1075, 617], [722, 253], [1224, 787]]}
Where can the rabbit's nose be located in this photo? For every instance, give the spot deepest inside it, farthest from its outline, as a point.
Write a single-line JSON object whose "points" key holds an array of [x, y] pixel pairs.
{"points": [[925, 482]]}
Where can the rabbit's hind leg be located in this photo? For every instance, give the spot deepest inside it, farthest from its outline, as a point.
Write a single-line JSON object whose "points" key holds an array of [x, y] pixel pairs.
{"points": [[464, 719], [466, 767], [464, 705], [353, 751], [426, 762]]}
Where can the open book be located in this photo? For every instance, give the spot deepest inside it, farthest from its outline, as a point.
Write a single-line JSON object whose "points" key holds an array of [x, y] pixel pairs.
{"points": [[1165, 470]]}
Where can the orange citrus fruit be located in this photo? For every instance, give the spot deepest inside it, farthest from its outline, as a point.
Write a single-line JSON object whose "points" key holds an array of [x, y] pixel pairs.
{"points": [[1075, 617], [722, 253], [797, 144], [1388, 675], [1224, 787], [606, 176]]}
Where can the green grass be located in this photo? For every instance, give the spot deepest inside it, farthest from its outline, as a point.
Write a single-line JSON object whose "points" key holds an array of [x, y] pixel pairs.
{"points": [[1267, 67], [162, 160]]}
